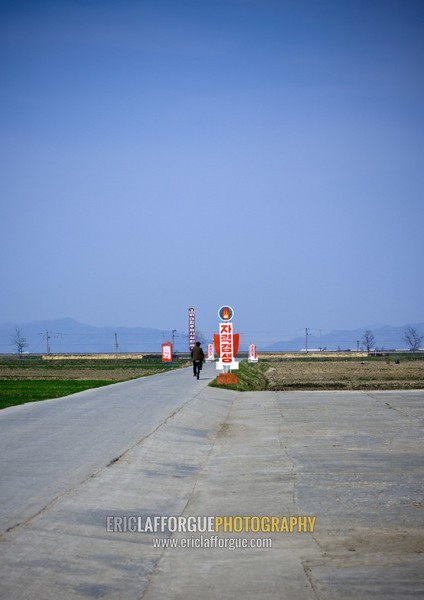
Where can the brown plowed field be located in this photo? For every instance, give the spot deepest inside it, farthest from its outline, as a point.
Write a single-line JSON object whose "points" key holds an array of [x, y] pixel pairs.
{"points": [[113, 374], [345, 375]]}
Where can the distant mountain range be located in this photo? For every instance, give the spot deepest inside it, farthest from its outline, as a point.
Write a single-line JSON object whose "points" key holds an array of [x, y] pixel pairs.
{"points": [[64, 336], [386, 337]]}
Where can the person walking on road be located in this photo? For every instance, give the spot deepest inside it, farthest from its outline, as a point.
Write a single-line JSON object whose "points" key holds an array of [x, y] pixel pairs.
{"points": [[197, 356]]}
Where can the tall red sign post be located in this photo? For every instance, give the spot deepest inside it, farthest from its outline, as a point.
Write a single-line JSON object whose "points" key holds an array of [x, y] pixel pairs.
{"points": [[226, 346], [191, 329]]}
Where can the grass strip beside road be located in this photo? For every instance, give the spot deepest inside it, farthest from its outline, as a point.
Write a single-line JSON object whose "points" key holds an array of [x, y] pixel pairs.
{"points": [[21, 391], [251, 377]]}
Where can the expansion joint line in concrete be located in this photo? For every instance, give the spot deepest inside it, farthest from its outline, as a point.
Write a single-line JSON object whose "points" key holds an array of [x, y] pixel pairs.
{"points": [[148, 435], [199, 473], [387, 405], [52, 503], [293, 475], [308, 574], [206, 461]]}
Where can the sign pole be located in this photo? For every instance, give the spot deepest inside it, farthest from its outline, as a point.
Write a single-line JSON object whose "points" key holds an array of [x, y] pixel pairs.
{"points": [[226, 346], [191, 329]]}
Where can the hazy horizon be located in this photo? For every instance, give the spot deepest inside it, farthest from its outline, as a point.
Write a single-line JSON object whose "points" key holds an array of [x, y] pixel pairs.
{"points": [[67, 335], [160, 155]]}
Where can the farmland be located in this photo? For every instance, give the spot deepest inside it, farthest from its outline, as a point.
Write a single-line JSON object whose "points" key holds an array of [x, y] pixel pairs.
{"points": [[390, 372], [32, 378], [282, 373]]}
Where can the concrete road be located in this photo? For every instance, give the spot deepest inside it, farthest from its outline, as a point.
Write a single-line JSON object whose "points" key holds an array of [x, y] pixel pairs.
{"points": [[350, 462], [48, 448]]}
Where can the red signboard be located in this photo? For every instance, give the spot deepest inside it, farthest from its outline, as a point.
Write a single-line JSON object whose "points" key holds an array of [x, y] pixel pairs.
{"points": [[167, 352], [191, 329], [226, 341], [217, 343]]}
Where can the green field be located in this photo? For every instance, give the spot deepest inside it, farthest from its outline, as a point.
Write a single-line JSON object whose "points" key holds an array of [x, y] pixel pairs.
{"points": [[31, 378], [14, 392]]}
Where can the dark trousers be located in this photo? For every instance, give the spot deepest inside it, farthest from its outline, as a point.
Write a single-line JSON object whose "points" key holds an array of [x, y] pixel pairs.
{"points": [[196, 364]]}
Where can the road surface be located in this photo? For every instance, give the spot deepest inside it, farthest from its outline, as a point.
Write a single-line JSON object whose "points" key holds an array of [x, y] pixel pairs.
{"points": [[341, 474], [49, 447]]}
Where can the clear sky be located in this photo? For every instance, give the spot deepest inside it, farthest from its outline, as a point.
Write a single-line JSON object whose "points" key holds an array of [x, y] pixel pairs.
{"points": [[157, 155]]}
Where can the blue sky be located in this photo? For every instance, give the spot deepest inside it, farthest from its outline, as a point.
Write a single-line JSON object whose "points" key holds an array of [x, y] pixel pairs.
{"points": [[158, 155]]}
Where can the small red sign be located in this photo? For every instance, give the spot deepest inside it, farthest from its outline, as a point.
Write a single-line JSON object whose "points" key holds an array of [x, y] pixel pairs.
{"points": [[167, 352]]}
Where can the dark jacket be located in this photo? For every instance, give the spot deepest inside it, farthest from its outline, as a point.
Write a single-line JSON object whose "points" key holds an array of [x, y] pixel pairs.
{"points": [[197, 354]]}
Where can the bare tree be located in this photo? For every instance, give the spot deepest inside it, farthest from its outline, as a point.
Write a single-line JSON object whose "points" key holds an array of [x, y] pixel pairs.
{"points": [[368, 339], [200, 337], [413, 338], [18, 341]]}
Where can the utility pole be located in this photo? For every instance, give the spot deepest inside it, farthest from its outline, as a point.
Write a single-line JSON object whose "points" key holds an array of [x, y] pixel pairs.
{"points": [[48, 336], [116, 344], [174, 331], [306, 338]]}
